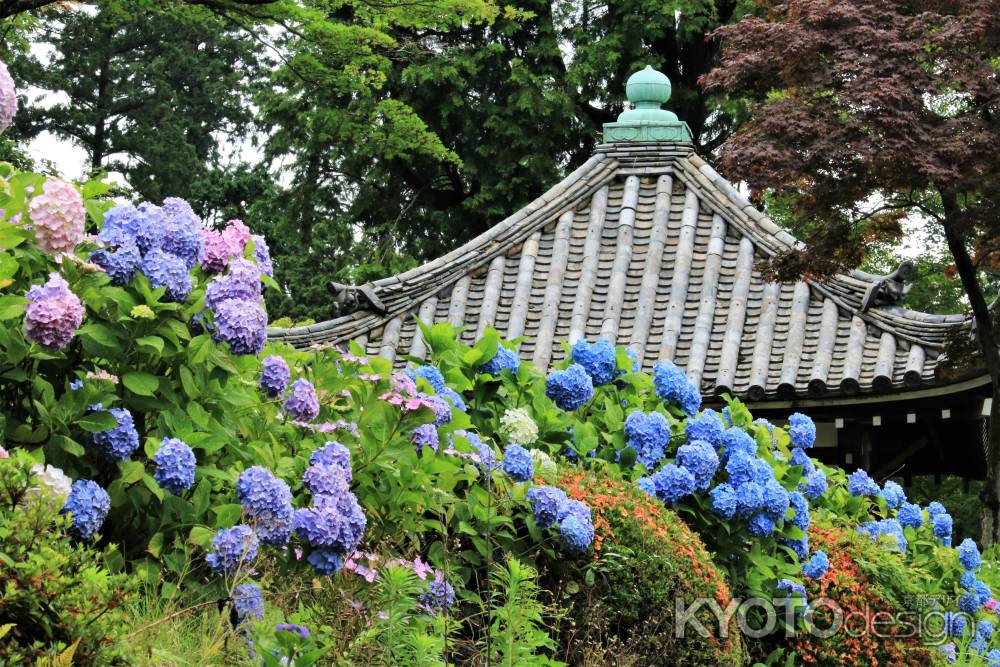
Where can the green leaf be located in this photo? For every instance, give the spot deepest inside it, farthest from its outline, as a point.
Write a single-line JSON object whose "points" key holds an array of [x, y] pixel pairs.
{"points": [[201, 536], [155, 545], [132, 471], [141, 383], [68, 445], [101, 334], [153, 342], [12, 306], [95, 422], [12, 236], [227, 515]]}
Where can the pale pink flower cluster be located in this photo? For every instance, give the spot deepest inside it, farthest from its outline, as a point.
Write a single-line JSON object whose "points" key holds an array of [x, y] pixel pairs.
{"points": [[348, 356], [468, 456], [53, 313], [58, 216], [4, 454], [102, 374], [222, 246], [369, 571], [8, 98], [404, 393], [991, 605], [330, 427]]}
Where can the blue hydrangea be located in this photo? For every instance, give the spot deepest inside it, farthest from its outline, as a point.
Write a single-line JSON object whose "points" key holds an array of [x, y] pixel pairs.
{"points": [[548, 503], [121, 225], [76, 385], [760, 525], [735, 439], [992, 658], [300, 630], [893, 494], [240, 283], [517, 463], [949, 651], [326, 480], [672, 386], [978, 644], [120, 265], [724, 501], [248, 602], [267, 504], [816, 567], [968, 554], [983, 591], [800, 458], [699, 458], [303, 403], [673, 483], [440, 595], [576, 534], [598, 359], [954, 624], [274, 375], [182, 232], [429, 373], [503, 359], [151, 227], [649, 434], [968, 580], [800, 546], [425, 435], [646, 485], [942, 525], [242, 324], [860, 484], [749, 499], [325, 561], [88, 505], [487, 458], [889, 527], [117, 444], [969, 603], [740, 468], [707, 426], [760, 421], [262, 255], [453, 397], [800, 508], [762, 471], [233, 549], [935, 508], [334, 453], [336, 524], [802, 430], [441, 408], [570, 389], [791, 588], [167, 271], [775, 500], [814, 485], [175, 464]]}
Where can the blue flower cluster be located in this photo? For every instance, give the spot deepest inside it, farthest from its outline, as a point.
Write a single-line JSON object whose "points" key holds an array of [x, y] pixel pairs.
{"points": [[860, 484], [598, 359], [816, 567], [487, 457], [333, 526], [670, 483], [429, 373], [425, 435], [242, 324], [121, 264], [274, 376], [439, 596], [248, 602], [118, 443], [791, 588], [800, 458], [232, 549], [576, 530], [910, 515], [893, 494], [802, 430], [672, 386], [548, 504], [517, 463], [699, 458], [302, 403], [169, 272], [941, 522], [333, 453], [503, 359], [175, 464], [325, 561], [453, 397], [707, 426], [968, 555], [814, 485], [649, 434], [267, 503], [890, 527], [570, 389], [88, 505]]}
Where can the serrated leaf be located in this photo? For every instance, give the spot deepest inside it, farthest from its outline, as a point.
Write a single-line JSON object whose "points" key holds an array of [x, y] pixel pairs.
{"points": [[141, 383]]}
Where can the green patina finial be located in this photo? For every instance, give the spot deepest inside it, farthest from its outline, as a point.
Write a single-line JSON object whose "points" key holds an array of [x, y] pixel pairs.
{"points": [[647, 89]]}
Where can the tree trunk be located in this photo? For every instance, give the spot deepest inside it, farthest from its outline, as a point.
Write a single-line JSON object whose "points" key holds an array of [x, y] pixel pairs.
{"points": [[986, 336]]}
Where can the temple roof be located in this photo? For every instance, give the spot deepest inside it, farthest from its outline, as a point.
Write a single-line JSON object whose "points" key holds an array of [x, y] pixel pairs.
{"points": [[646, 245]]}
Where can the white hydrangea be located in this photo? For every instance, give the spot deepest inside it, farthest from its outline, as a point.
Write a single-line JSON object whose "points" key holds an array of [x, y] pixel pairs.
{"points": [[517, 426], [545, 467], [53, 480]]}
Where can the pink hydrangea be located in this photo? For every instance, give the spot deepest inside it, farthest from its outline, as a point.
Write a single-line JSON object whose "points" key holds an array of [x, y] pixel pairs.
{"points": [[216, 255], [236, 235], [8, 98], [53, 313], [57, 215]]}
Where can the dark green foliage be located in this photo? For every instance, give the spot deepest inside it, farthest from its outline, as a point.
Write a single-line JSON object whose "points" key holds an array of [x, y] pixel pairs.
{"points": [[57, 595]]}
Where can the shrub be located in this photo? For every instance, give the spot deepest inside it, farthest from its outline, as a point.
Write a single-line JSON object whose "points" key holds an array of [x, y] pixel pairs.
{"points": [[57, 596], [645, 558]]}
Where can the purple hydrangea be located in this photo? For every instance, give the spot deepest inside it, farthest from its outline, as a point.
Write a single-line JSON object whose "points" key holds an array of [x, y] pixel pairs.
{"points": [[267, 504], [121, 225], [425, 435], [303, 403], [910, 515], [707, 426], [242, 324], [968, 554], [121, 264], [570, 389], [300, 630], [699, 458], [814, 485], [53, 313], [118, 443], [167, 271], [549, 505], [673, 483], [8, 98], [517, 463], [598, 359], [672, 386], [175, 464], [240, 283], [274, 375], [487, 458], [333, 453], [802, 430], [151, 226], [503, 359], [649, 434], [816, 567], [942, 524], [248, 602], [441, 408], [800, 509], [262, 255], [332, 523], [440, 595], [232, 549], [326, 480], [325, 561], [724, 501], [860, 484], [893, 494], [88, 505]]}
